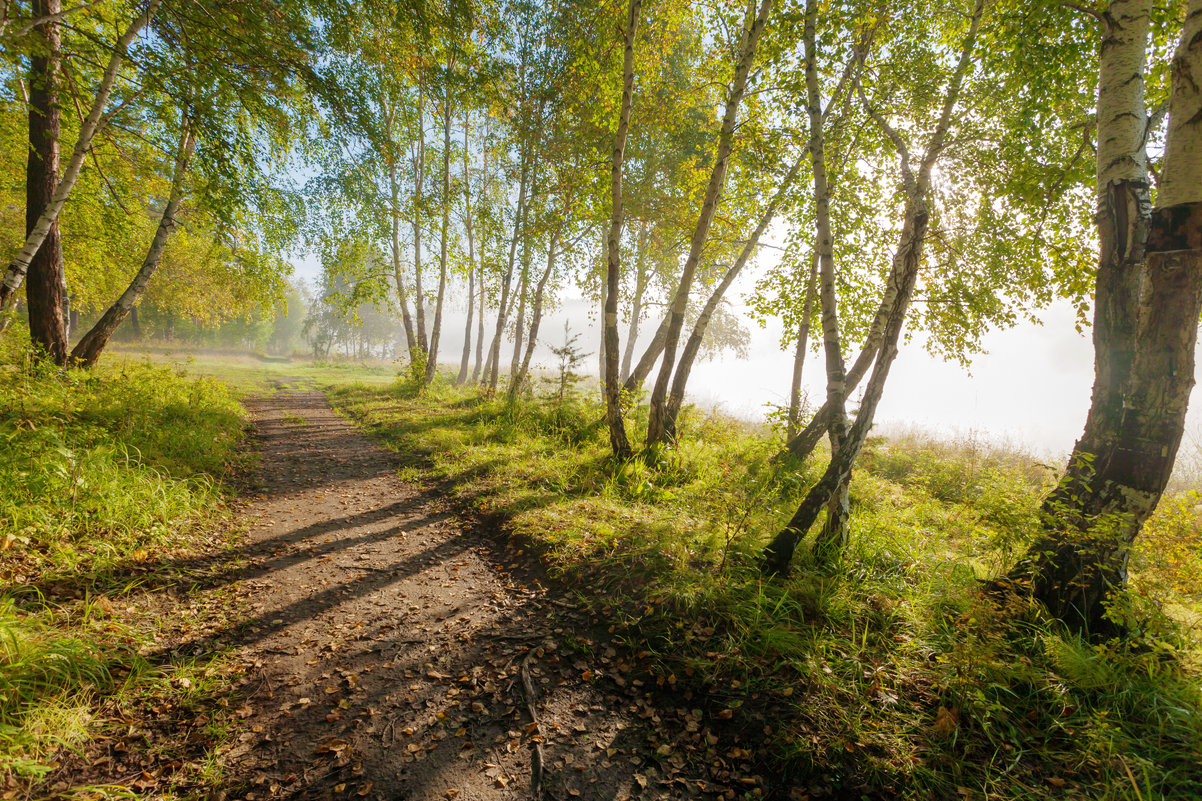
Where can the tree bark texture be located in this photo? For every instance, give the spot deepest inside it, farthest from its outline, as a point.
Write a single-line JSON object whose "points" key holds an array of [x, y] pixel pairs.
{"points": [[1149, 297], [45, 281]]}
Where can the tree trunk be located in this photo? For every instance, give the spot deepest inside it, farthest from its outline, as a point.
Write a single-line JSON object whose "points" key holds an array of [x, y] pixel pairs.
{"points": [[89, 348], [536, 318], [1144, 341], [519, 324], [833, 537], [779, 553], [436, 333], [903, 276], [465, 359], [135, 324], [494, 351], [611, 349], [401, 291], [419, 182], [656, 432], [641, 279], [36, 234], [647, 361], [479, 327], [799, 354], [44, 285], [693, 345]]}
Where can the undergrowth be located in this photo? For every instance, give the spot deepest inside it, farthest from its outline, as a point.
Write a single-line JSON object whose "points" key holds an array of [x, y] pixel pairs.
{"points": [[884, 676], [108, 477]]}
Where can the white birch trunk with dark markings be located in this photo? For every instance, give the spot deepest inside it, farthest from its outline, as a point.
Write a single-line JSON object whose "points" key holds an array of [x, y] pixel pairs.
{"points": [[1149, 297]]}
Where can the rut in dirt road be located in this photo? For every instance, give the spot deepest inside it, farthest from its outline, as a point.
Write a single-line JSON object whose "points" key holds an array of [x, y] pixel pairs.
{"points": [[387, 643]]}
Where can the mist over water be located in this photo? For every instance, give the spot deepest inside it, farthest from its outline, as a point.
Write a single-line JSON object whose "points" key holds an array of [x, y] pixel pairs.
{"points": [[1029, 389]]}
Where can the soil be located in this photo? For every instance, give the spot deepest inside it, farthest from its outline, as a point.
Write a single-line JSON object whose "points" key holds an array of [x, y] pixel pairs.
{"points": [[400, 653]]}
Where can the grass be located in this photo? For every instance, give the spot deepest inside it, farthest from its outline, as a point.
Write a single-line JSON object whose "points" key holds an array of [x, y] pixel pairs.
{"points": [[250, 373], [883, 676], [110, 477]]}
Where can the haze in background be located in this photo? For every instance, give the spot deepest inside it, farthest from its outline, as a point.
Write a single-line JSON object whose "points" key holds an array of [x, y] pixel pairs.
{"points": [[1030, 388]]}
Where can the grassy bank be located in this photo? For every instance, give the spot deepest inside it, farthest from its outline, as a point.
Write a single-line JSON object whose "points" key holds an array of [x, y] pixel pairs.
{"points": [[112, 480], [885, 676]]}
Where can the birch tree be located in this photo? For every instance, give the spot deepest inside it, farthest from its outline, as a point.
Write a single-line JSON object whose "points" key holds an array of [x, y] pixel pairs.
{"points": [[1147, 305], [916, 177]]}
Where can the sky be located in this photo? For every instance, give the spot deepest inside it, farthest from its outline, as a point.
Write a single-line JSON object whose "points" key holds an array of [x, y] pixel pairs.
{"points": [[1029, 389]]}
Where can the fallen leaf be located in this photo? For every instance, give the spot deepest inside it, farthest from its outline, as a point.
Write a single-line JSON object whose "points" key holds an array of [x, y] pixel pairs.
{"points": [[946, 721]]}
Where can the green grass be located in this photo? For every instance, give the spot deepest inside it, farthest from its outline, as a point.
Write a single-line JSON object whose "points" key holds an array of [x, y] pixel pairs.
{"points": [[109, 477], [885, 674], [250, 373]]}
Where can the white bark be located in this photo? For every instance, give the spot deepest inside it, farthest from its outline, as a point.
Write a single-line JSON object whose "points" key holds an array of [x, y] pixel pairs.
{"points": [[1122, 116], [1181, 177]]}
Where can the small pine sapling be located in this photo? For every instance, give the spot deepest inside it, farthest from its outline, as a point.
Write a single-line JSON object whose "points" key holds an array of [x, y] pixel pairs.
{"points": [[570, 356]]}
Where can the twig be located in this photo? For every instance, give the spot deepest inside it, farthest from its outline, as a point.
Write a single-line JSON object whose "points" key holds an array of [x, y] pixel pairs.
{"points": [[536, 748]]}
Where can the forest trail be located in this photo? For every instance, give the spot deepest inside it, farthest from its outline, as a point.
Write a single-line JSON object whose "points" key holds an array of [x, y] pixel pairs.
{"points": [[387, 643]]}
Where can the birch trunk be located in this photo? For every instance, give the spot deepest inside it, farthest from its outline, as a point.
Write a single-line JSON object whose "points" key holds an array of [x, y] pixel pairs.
{"points": [[419, 182], [479, 327], [779, 553], [713, 191], [465, 359], [834, 534], [494, 351], [87, 351], [693, 345], [611, 381], [641, 279], [401, 291], [44, 287], [519, 326], [87, 130], [906, 263], [647, 361], [483, 258], [1144, 343], [799, 354], [536, 318], [436, 332]]}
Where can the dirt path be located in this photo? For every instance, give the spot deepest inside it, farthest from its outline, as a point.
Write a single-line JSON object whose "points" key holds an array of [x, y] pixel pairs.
{"points": [[388, 645]]}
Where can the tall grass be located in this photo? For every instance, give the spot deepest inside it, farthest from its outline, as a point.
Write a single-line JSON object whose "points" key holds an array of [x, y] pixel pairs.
{"points": [[102, 471], [886, 673]]}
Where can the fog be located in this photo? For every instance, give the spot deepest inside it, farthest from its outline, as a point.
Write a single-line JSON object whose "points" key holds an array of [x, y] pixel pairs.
{"points": [[1029, 388]]}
